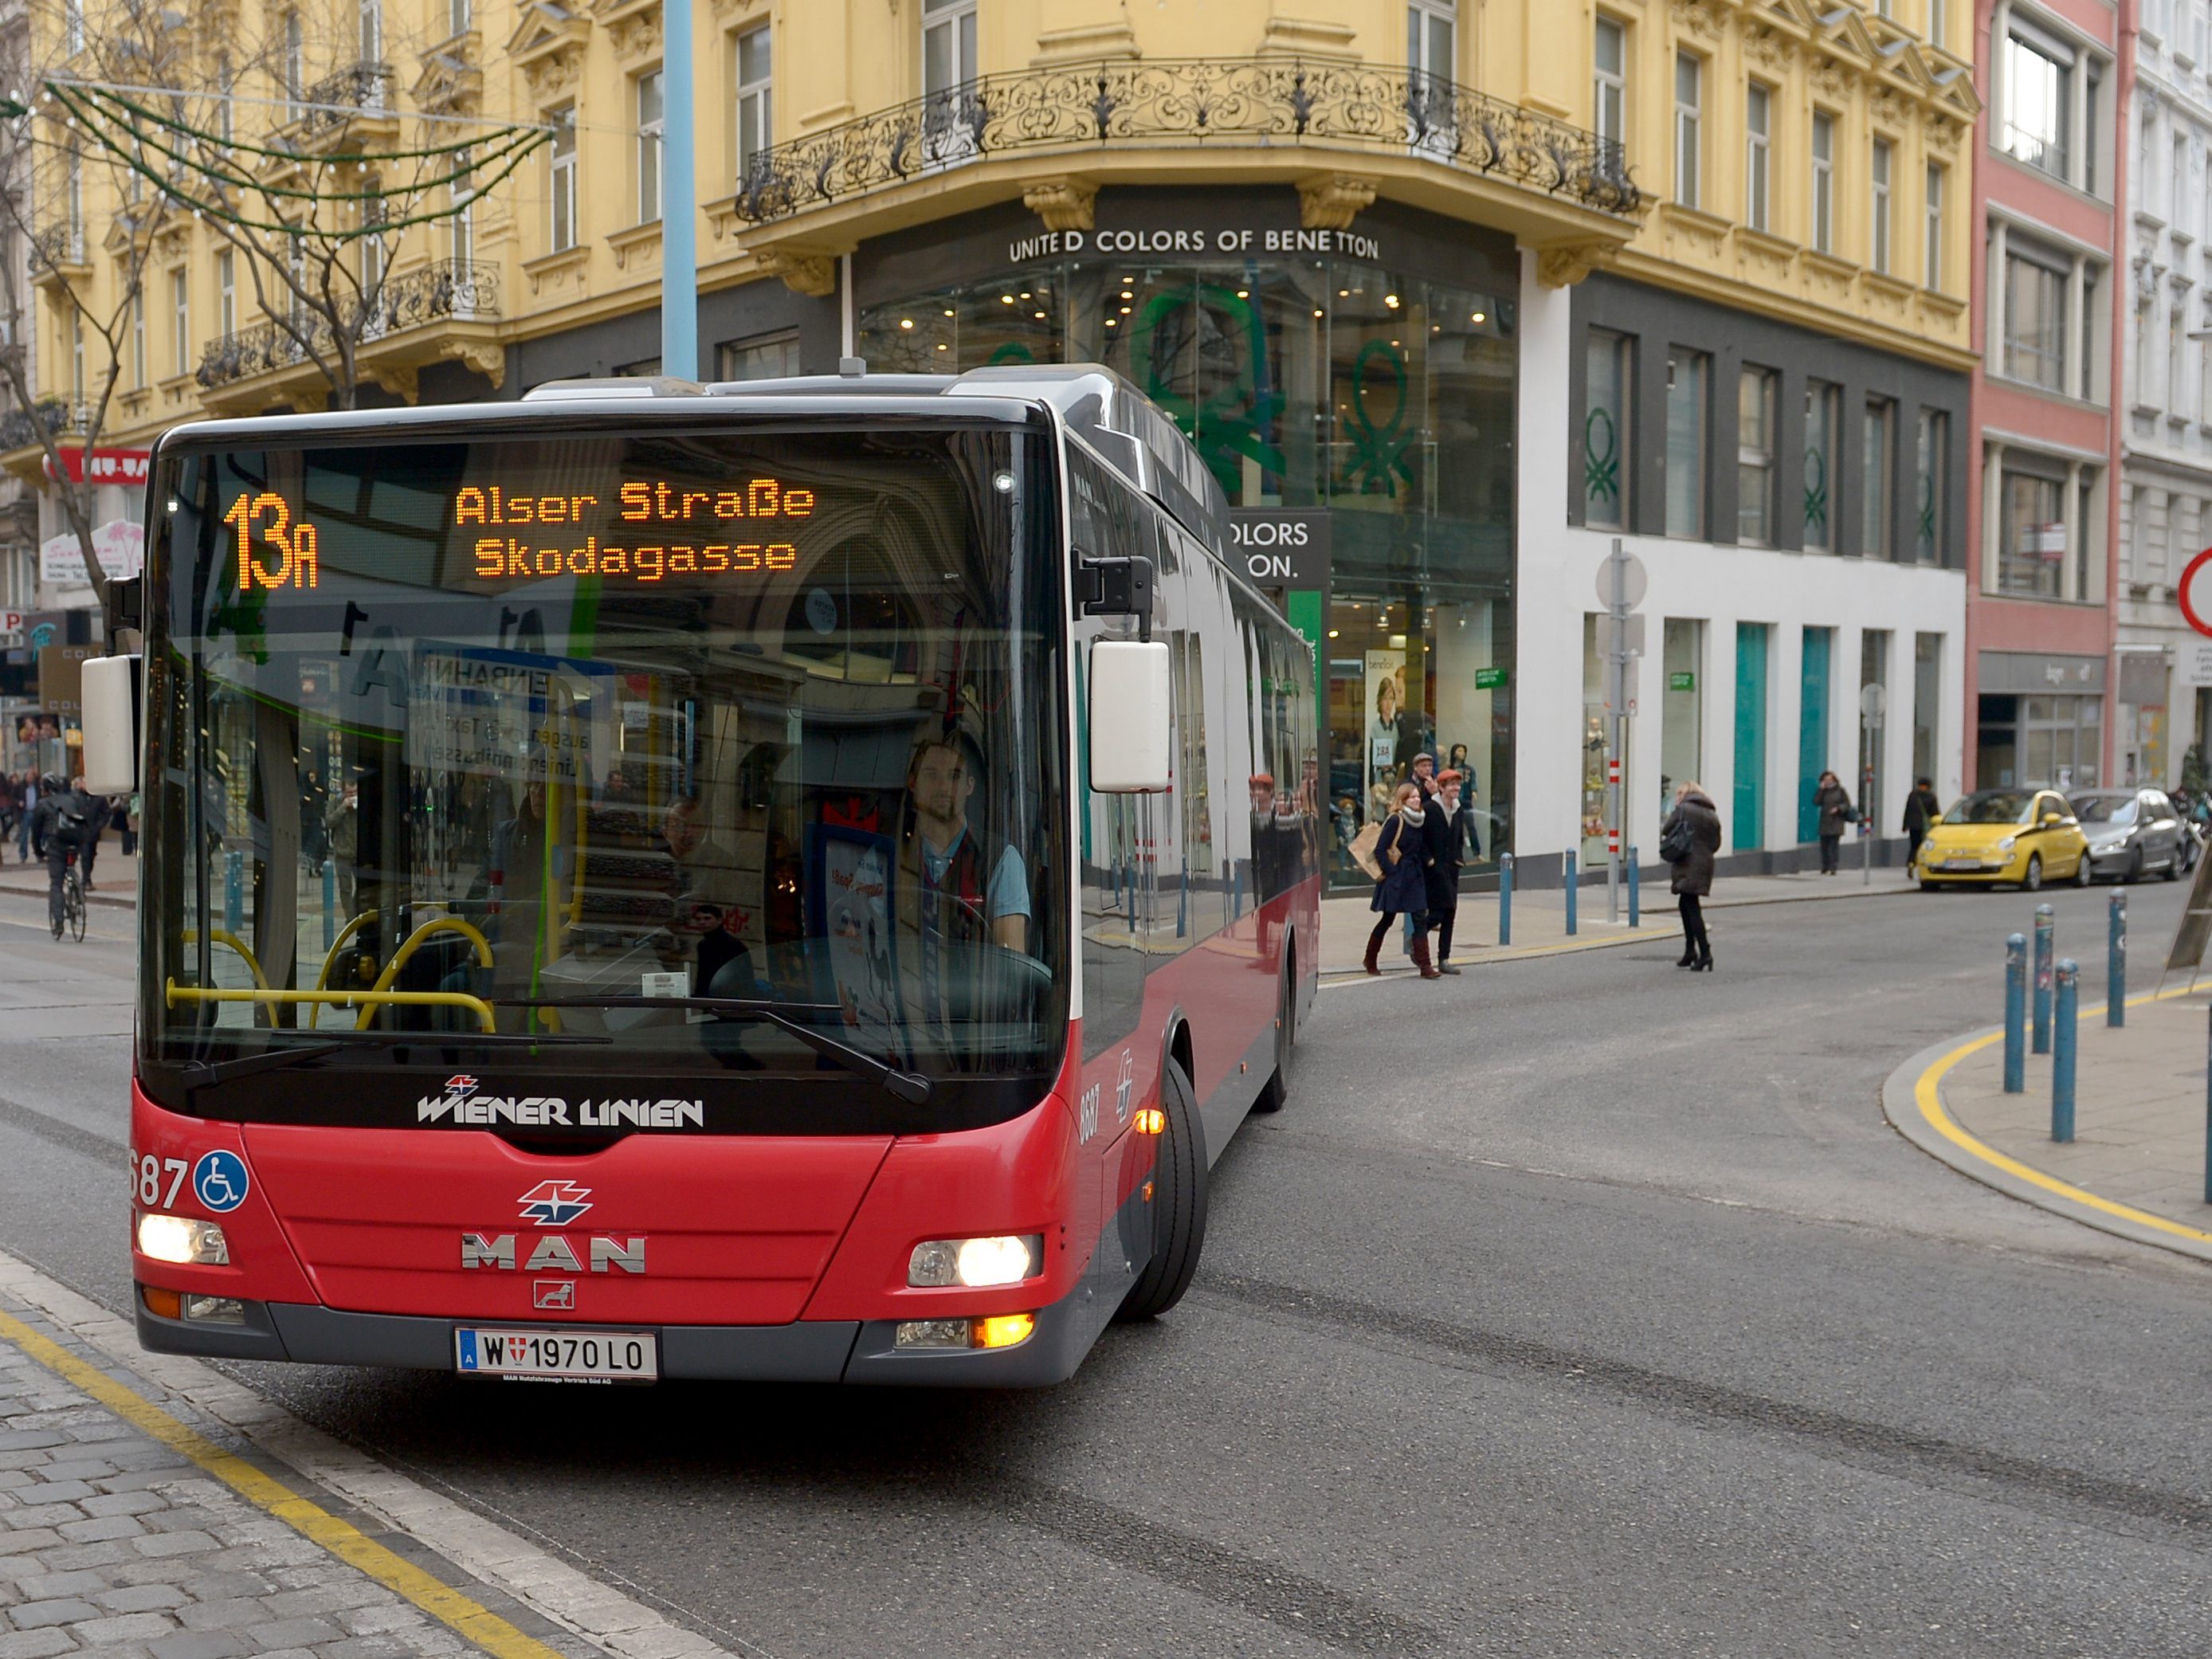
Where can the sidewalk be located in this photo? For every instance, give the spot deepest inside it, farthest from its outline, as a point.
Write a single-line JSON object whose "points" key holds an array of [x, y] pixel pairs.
{"points": [[1540, 917], [115, 877], [2136, 1165]]}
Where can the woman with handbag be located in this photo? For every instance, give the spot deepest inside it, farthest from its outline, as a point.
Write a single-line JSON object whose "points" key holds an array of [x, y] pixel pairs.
{"points": [[1689, 840], [1401, 851], [1834, 802]]}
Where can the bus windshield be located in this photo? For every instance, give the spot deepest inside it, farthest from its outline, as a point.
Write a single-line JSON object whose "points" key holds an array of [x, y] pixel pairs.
{"points": [[609, 739]]}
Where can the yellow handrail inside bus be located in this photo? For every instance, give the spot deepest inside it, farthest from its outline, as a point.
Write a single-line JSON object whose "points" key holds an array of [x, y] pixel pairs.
{"points": [[476, 1006], [330, 959], [224, 936], [416, 940]]}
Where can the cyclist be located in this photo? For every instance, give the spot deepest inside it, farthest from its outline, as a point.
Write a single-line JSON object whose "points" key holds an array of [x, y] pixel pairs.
{"points": [[59, 824]]}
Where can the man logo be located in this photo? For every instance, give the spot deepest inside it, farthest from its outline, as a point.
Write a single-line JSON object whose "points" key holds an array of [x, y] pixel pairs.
{"points": [[555, 1203], [559, 1294]]}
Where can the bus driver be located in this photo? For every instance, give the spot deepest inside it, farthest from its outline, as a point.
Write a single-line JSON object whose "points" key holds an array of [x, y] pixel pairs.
{"points": [[959, 884]]}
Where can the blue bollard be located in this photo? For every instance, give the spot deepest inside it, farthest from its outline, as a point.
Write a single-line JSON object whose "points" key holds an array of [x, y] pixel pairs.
{"points": [[2116, 962], [1505, 898], [2016, 1015], [330, 904], [2061, 1057], [233, 891], [1635, 893], [2044, 925], [1571, 880]]}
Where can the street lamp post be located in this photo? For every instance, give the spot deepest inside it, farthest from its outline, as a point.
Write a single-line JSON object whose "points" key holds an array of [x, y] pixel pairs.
{"points": [[680, 211]]}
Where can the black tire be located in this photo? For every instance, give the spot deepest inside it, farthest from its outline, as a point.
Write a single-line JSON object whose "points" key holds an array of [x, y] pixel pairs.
{"points": [[1178, 1204], [2173, 866], [2084, 872], [73, 905], [1929, 887], [1275, 1093], [2135, 870], [2031, 880]]}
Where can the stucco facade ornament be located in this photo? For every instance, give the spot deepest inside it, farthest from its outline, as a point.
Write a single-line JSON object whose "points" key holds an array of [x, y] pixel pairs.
{"points": [[1330, 203], [1566, 264], [1768, 50], [487, 357], [636, 36], [1064, 203], [1696, 18], [555, 73], [814, 275]]}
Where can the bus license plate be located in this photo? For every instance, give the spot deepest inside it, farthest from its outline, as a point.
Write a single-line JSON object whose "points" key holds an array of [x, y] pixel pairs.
{"points": [[552, 1356]]}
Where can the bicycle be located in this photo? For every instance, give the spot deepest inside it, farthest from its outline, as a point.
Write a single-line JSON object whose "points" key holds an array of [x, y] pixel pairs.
{"points": [[72, 916]]}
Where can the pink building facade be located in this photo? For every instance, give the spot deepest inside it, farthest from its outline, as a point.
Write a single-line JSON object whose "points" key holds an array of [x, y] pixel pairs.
{"points": [[2050, 276]]}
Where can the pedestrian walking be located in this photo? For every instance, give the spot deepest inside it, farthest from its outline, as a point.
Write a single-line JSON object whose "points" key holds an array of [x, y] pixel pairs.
{"points": [[1834, 802], [1445, 832], [95, 823], [131, 825], [1689, 841], [1921, 808], [1401, 850], [1422, 775], [29, 805]]}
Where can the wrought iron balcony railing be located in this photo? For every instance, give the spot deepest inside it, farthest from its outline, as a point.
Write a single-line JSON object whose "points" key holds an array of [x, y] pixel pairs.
{"points": [[1167, 102], [356, 90], [20, 428], [448, 290], [57, 245]]}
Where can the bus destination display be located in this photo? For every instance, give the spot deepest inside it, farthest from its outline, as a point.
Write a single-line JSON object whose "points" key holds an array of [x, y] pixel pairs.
{"points": [[653, 529]]}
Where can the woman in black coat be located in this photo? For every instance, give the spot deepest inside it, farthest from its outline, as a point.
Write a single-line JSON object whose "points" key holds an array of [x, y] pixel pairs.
{"points": [[1402, 851], [1445, 830], [1835, 804], [1694, 812]]}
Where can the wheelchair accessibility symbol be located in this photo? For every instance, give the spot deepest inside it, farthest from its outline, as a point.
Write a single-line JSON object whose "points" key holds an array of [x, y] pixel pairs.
{"points": [[219, 1181]]}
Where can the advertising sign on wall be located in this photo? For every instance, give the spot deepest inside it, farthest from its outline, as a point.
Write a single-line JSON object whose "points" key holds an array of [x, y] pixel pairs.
{"points": [[119, 544]]}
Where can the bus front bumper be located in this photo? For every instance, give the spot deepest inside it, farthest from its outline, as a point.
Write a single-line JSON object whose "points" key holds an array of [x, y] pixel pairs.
{"points": [[806, 1351]]}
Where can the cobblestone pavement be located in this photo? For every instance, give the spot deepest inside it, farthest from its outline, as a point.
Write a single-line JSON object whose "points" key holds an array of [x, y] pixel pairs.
{"points": [[112, 1542]]}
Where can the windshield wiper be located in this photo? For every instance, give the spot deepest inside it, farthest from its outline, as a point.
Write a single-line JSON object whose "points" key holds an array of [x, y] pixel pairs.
{"points": [[199, 1073], [909, 1086]]}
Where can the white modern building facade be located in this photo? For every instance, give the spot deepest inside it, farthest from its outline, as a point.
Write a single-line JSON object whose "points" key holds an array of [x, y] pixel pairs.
{"points": [[2164, 666]]}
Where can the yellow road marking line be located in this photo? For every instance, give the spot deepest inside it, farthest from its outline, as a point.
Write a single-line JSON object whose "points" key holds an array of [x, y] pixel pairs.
{"points": [[441, 1601], [1926, 1094]]}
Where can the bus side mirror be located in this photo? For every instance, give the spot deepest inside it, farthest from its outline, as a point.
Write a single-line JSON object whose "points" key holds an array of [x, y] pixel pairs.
{"points": [[1132, 717], [109, 713]]}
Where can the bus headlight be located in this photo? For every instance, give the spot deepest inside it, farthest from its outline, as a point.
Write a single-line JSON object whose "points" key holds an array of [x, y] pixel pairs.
{"points": [[977, 1263], [182, 1240]]}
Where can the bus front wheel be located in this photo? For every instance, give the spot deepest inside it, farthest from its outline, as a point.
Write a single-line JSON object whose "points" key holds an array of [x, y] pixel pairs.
{"points": [[1276, 1092], [1178, 1202]]}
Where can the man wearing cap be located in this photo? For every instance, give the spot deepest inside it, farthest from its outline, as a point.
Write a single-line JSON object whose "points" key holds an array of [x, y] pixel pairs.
{"points": [[1422, 775], [1443, 833]]}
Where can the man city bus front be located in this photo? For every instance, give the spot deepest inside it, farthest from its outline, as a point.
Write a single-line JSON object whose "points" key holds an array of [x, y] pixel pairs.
{"points": [[606, 896]]}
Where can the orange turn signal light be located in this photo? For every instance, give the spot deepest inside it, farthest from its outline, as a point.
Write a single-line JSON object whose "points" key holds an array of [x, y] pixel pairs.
{"points": [[1150, 1120], [1004, 1330], [164, 1304]]}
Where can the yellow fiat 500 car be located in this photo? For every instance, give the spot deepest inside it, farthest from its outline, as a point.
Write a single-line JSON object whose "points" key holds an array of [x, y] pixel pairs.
{"points": [[2026, 836]]}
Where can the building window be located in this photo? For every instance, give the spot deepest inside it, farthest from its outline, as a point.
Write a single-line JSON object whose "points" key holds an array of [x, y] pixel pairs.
{"points": [[2034, 320], [2032, 534], [77, 355], [755, 115], [1754, 456], [2086, 371], [761, 357], [1432, 42], [295, 67], [1823, 181], [73, 27], [226, 290], [180, 324], [2038, 94], [1687, 375], [948, 45], [562, 184], [460, 16], [1877, 478], [1611, 98], [461, 224], [1689, 77], [1824, 406], [651, 118], [1931, 275], [2177, 182], [73, 184], [1939, 22], [226, 83], [1757, 119], [1607, 424], [2177, 330], [1879, 219], [372, 31], [2091, 92], [138, 336], [1932, 487]]}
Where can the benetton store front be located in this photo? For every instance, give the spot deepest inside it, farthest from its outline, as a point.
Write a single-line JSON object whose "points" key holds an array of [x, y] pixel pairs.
{"points": [[1367, 372]]}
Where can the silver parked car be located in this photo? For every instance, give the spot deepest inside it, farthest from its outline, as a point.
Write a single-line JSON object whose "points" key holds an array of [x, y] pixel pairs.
{"points": [[2132, 832]]}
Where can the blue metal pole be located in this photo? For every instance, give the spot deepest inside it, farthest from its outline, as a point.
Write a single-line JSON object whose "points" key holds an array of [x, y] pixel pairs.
{"points": [[2116, 962], [1505, 898], [1572, 880], [330, 903], [2062, 1058], [2043, 925], [233, 891], [1635, 893], [2016, 1015], [679, 241]]}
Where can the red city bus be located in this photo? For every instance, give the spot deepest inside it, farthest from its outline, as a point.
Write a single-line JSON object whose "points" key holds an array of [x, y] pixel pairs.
{"points": [[793, 880]]}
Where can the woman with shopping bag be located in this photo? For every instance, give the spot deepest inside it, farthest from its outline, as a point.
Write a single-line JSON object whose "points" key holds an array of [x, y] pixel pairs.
{"points": [[1401, 853]]}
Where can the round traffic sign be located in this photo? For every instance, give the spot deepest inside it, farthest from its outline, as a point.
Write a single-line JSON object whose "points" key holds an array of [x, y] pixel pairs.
{"points": [[1632, 579], [2194, 590]]}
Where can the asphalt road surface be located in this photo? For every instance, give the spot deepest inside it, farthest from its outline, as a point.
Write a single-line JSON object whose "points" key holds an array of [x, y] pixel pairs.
{"points": [[1574, 1307]]}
